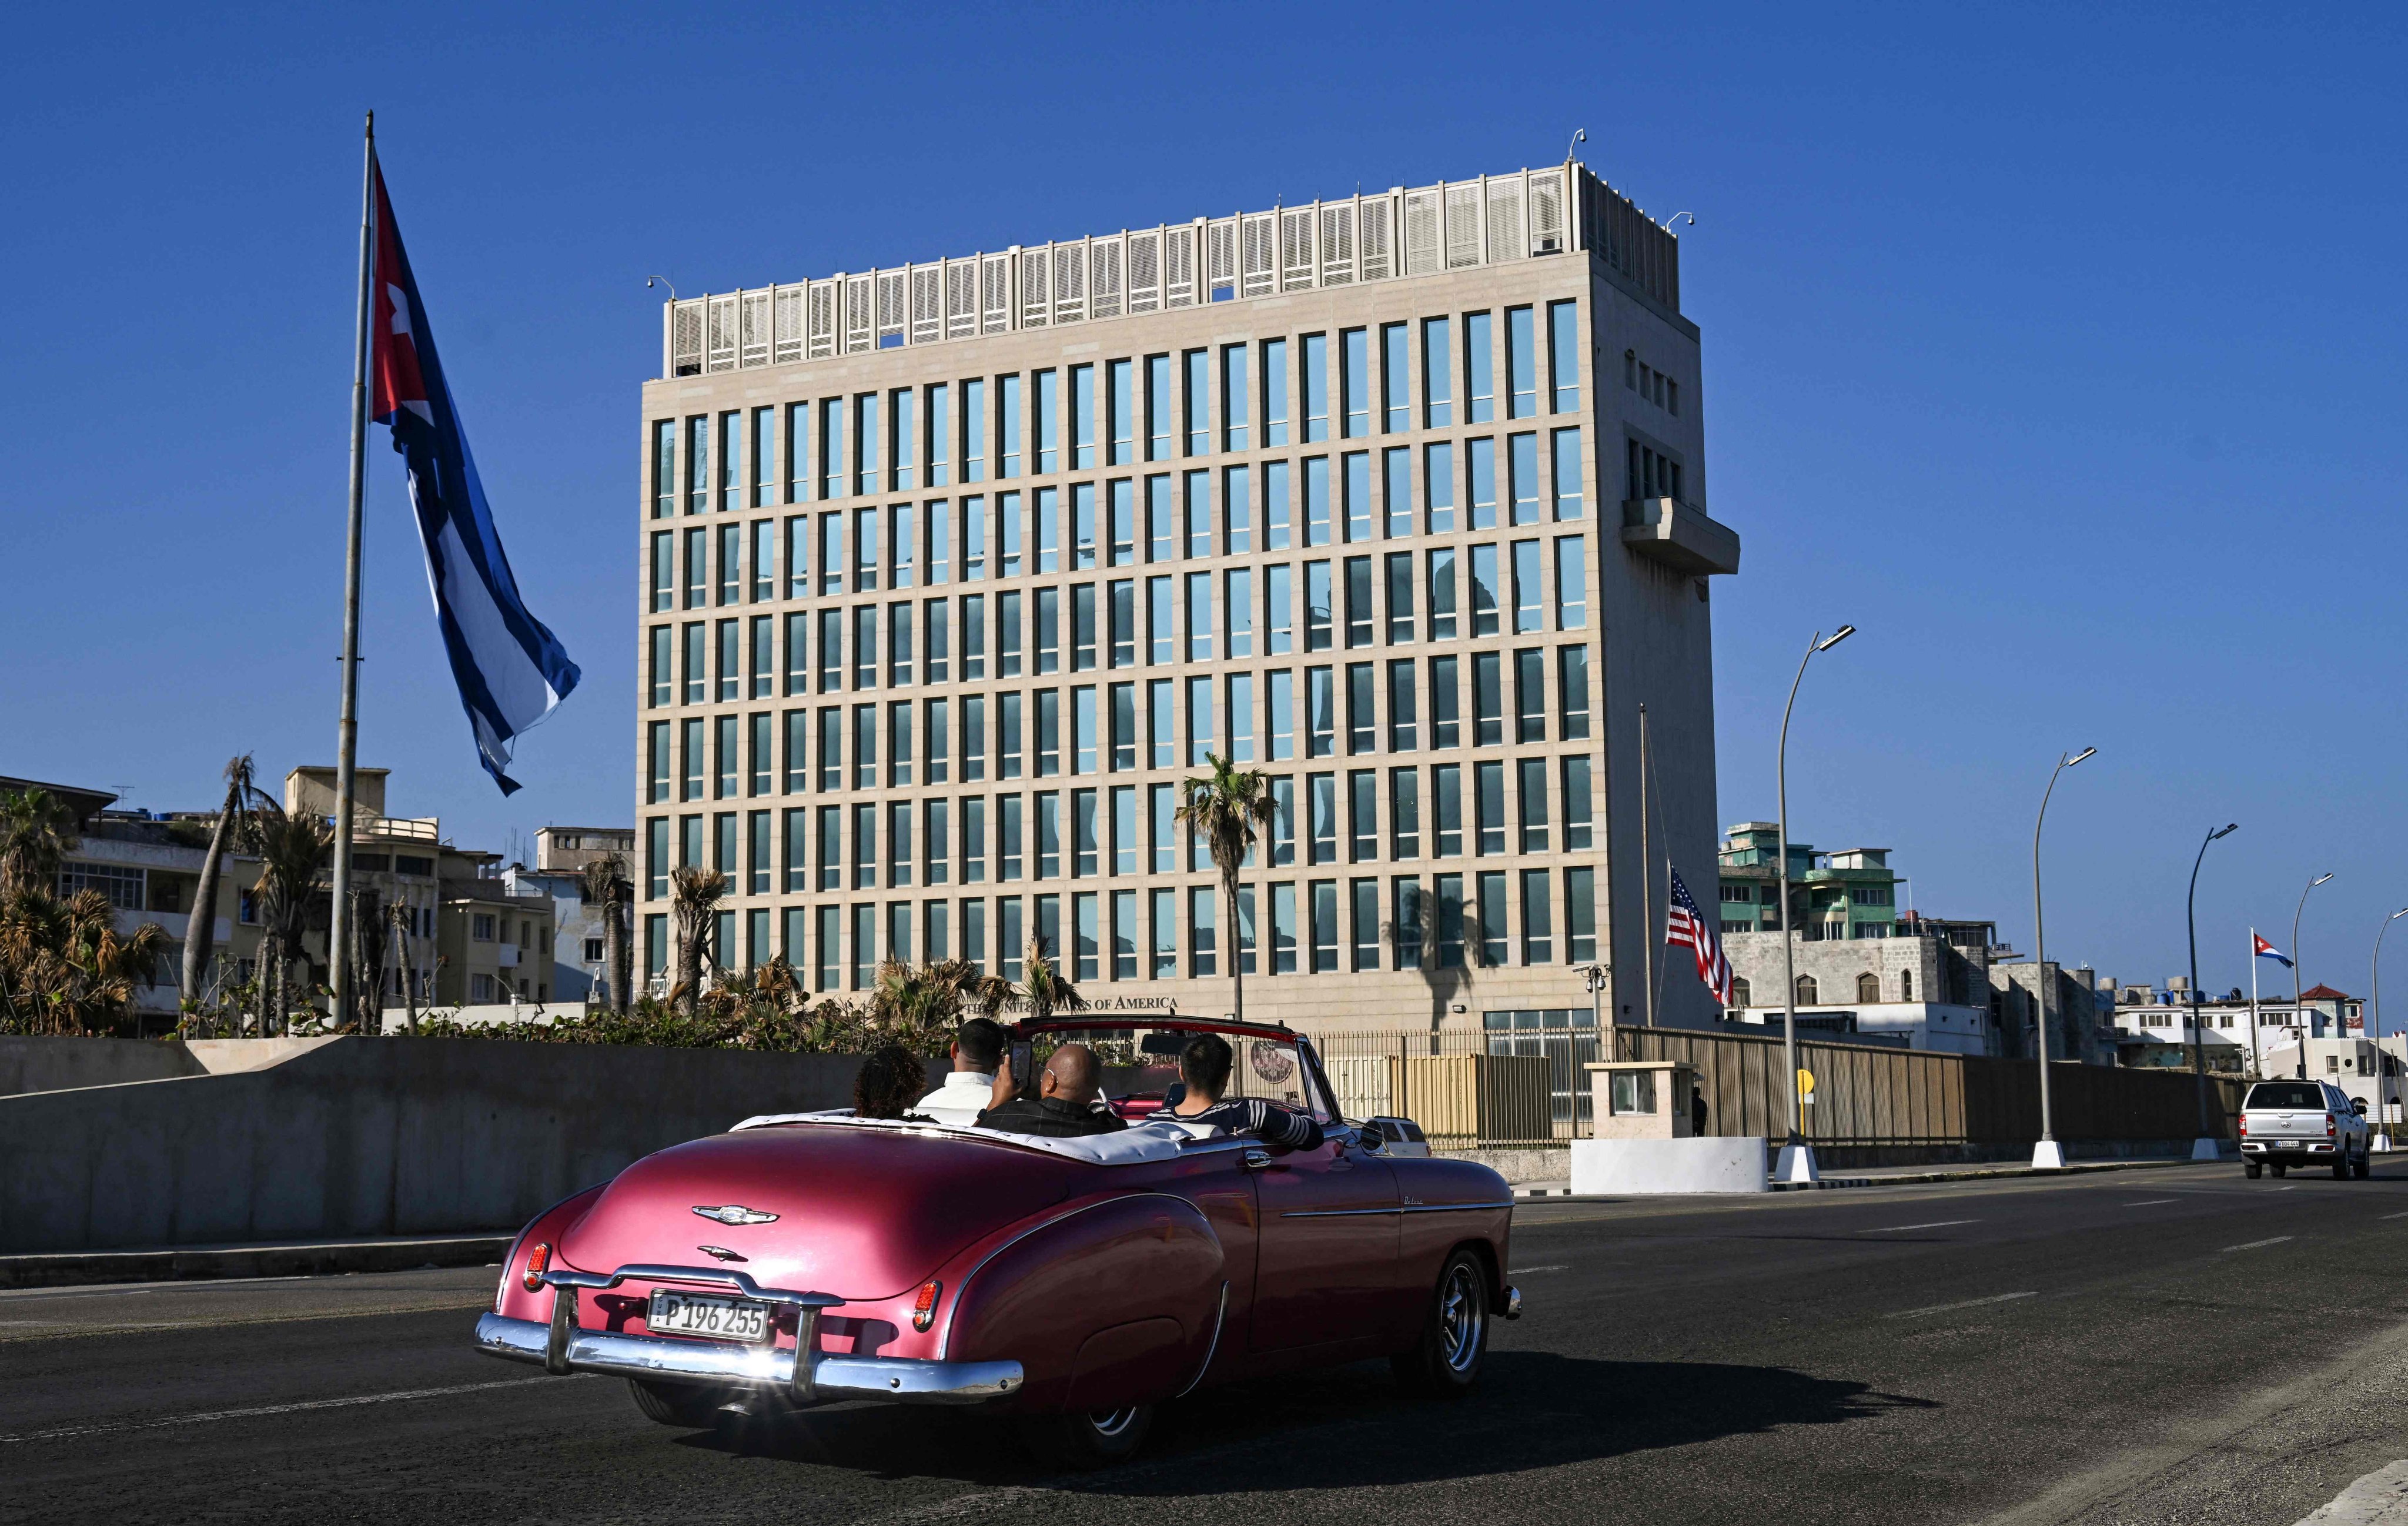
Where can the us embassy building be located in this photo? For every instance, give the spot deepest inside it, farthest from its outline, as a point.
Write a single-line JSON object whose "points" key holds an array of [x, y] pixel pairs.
{"points": [[953, 573]]}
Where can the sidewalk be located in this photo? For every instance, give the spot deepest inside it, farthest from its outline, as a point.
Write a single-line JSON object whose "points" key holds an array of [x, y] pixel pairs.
{"points": [[266, 1259], [1908, 1175]]}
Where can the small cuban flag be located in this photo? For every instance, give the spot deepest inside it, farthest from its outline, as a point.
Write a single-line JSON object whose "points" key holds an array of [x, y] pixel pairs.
{"points": [[2265, 950]]}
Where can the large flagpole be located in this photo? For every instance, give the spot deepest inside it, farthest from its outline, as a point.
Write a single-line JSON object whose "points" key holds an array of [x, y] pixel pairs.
{"points": [[339, 935], [2255, 1063]]}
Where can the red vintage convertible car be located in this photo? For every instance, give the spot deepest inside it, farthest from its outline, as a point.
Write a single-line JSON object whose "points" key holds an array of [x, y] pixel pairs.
{"points": [[1074, 1283]]}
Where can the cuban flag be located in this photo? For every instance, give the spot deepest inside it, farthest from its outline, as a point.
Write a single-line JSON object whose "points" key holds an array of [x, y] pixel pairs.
{"points": [[1685, 926], [511, 671], [2265, 950]]}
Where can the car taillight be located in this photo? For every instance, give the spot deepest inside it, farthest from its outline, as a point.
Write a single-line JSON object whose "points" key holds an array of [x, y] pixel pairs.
{"points": [[538, 1259], [924, 1308], [2329, 1126], [2244, 1126]]}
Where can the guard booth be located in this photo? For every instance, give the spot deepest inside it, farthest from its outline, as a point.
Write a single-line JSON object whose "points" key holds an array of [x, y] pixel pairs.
{"points": [[1642, 1099]]}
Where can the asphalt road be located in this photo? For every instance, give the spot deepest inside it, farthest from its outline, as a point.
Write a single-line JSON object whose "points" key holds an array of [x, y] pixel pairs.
{"points": [[2140, 1346]]}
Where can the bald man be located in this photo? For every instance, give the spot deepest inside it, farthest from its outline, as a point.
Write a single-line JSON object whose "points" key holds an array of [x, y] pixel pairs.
{"points": [[1066, 1103]]}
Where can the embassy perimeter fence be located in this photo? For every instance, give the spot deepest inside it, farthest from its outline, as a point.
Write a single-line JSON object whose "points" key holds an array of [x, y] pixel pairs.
{"points": [[1526, 1088]]}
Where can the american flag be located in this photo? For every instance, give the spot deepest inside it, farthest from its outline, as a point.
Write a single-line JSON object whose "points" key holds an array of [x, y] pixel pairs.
{"points": [[1688, 927]]}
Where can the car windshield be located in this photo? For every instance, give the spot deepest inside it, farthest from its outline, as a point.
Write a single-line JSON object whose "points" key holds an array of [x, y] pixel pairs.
{"points": [[2293, 1094], [1141, 1066]]}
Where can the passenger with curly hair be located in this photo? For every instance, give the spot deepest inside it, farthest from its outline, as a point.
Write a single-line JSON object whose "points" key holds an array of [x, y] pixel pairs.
{"points": [[890, 1080]]}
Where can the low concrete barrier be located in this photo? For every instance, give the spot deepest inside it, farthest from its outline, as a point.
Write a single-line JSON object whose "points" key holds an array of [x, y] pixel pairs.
{"points": [[32, 1064], [353, 1137], [1712, 1164]]}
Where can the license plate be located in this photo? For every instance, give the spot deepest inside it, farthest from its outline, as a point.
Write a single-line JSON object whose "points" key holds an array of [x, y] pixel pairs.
{"points": [[700, 1314]]}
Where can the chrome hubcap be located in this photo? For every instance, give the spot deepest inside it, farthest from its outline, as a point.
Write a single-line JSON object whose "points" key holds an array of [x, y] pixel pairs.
{"points": [[1462, 1315], [1112, 1422]]}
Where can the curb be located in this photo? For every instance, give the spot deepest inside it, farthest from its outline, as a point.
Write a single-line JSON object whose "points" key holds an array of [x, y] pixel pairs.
{"points": [[279, 1258], [1918, 1178]]}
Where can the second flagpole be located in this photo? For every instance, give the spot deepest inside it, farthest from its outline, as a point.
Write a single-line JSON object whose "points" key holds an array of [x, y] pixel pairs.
{"points": [[338, 932]]}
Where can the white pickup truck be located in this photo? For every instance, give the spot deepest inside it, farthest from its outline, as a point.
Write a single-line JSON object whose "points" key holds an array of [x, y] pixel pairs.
{"points": [[2302, 1123]]}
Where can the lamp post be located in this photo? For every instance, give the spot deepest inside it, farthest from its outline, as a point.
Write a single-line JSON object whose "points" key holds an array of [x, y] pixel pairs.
{"points": [[2299, 1000], [2048, 1155], [2206, 1146], [1797, 1161], [2374, 1029]]}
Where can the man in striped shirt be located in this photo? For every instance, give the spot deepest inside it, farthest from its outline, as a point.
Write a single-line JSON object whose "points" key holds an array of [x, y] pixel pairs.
{"points": [[1204, 1069]]}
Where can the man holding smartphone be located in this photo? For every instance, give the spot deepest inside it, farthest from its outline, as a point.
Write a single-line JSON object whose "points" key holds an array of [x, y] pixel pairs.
{"points": [[978, 1055], [1065, 1104]]}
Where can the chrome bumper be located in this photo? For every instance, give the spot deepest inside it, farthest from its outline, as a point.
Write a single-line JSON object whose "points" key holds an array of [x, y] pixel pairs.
{"points": [[830, 1377], [805, 1375], [1512, 1309]]}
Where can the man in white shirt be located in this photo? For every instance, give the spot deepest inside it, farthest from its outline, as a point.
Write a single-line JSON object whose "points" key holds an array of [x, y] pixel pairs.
{"points": [[977, 1054]]}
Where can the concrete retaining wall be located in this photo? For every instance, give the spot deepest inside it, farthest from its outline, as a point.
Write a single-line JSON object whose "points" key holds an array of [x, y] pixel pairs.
{"points": [[58, 1064], [364, 1136]]}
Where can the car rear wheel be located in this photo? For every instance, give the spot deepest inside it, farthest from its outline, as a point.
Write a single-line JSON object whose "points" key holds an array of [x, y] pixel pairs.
{"points": [[2253, 1170], [2340, 1165], [2364, 1165], [685, 1404], [2281, 1171], [1088, 1440], [1446, 1361]]}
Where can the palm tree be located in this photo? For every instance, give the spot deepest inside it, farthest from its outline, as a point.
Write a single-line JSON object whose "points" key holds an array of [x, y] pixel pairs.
{"points": [[606, 889], [64, 966], [1224, 811], [36, 831], [694, 893], [927, 1003], [291, 848], [200, 932], [1041, 983]]}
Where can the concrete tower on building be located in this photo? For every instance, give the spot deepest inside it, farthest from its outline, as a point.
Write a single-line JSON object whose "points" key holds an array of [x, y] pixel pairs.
{"points": [[953, 571]]}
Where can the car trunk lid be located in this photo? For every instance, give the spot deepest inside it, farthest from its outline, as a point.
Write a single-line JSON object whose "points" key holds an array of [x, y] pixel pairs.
{"points": [[864, 1213]]}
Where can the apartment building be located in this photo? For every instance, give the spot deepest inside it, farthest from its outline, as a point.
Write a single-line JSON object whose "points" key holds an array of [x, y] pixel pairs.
{"points": [[954, 572]]}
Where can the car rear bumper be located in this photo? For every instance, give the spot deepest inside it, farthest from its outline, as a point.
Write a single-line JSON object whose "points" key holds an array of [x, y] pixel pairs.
{"points": [[828, 1377], [2290, 1149]]}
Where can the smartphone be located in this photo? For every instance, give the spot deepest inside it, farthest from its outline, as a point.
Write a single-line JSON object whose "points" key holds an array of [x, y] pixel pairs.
{"points": [[1023, 1060]]}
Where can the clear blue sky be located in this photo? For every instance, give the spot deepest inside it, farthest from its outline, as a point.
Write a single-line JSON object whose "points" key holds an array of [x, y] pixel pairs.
{"points": [[2056, 348]]}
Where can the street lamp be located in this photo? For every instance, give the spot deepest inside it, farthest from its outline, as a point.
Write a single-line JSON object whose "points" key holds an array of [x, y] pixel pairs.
{"points": [[2206, 1146], [2299, 1000], [2374, 1025], [1797, 1161], [2048, 1155]]}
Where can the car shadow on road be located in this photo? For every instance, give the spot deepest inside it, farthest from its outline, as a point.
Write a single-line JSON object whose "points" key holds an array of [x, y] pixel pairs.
{"points": [[1349, 1426]]}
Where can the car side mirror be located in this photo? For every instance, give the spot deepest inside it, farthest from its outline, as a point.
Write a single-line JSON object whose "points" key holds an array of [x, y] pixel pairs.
{"points": [[2357, 1105], [1371, 1138]]}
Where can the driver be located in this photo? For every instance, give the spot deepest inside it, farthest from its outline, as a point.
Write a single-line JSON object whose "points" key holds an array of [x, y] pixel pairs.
{"points": [[1204, 1068]]}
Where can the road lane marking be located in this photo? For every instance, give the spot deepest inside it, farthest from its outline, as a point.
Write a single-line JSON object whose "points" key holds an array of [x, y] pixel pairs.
{"points": [[1935, 1224], [2396, 1216], [2254, 1244], [2152, 1202], [1968, 1304], [1525, 1270], [67, 1432]]}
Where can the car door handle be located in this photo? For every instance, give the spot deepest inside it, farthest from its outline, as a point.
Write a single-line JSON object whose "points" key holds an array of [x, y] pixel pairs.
{"points": [[1257, 1160]]}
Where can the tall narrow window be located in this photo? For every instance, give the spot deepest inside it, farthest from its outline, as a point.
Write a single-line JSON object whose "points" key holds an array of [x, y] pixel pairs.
{"points": [[940, 541], [1120, 522], [903, 561], [1279, 713], [1362, 815], [698, 457], [1316, 606], [1161, 737], [1576, 804], [1529, 695], [1279, 607], [1354, 383], [1275, 506], [1203, 909], [1563, 354], [1123, 737], [1283, 930], [1446, 811], [1479, 369], [1404, 814], [1409, 923], [1363, 915], [1438, 378], [799, 452], [1275, 391], [1580, 915], [1083, 417], [1530, 788], [1046, 619], [1522, 477], [1320, 706], [1007, 428], [1234, 409], [1396, 373], [902, 441], [1316, 500], [1537, 918], [1484, 591], [1487, 699], [1123, 935], [1404, 730], [1200, 735], [1355, 495], [1196, 494], [1571, 691], [975, 532], [1571, 582], [833, 480], [1237, 510], [1049, 421], [1007, 532], [1401, 602], [1161, 520], [1492, 918], [1321, 818], [1240, 707], [1325, 926], [1238, 585], [1438, 488], [665, 468], [1521, 363], [1480, 475], [1567, 475], [1445, 696], [1199, 617], [1358, 601], [974, 430], [1157, 407], [973, 738], [1120, 412], [1084, 537], [974, 840], [1163, 919], [1194, 403], [1530, 589], [866, 429], [1047, 504], [938, 444], [1314, 351], [1161, 633], [1396, 489]]}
